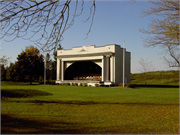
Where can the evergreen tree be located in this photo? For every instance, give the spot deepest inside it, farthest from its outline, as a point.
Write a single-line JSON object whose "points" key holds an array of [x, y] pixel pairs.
{"points": [[54, 63], [48, 66]]}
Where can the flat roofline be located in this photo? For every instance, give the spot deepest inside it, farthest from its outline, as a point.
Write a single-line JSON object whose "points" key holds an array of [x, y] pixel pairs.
{"points": [[84, 46], [90, 46], [87, 54]]}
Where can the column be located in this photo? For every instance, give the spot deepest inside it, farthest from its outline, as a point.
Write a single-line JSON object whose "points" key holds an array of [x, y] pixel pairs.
{"points": [[108, 68], [102, 71], [57, 70], [62, 70]]}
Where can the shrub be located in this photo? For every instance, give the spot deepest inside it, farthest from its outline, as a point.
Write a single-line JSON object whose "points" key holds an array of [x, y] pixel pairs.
{"points": [[96, 85], [130, 85], [85, 84], [53, 82], [121, 84], [57, 83], [65, 84], [112, 85], [80, 84], [75, 84], [40, 82]]}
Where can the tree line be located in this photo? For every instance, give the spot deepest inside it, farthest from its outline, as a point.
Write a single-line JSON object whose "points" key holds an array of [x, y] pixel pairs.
{"points": [[29, 67]]}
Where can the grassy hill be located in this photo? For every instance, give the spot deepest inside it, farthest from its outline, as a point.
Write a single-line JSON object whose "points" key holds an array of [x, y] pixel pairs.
{"points": [[156, 77]]}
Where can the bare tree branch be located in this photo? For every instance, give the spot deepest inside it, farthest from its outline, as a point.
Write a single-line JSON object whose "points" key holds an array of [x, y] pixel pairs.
{"points": [[42, 22], [164, 32]]}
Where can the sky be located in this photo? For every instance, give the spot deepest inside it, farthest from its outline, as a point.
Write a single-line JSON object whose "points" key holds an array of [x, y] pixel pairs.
{"points": [[115, 21]]}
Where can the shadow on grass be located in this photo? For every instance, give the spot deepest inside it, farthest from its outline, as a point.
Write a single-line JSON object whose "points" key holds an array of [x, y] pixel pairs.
{"points": [[22, 93], [155, 86], [12, 125], [12, 83], [40, 102]]}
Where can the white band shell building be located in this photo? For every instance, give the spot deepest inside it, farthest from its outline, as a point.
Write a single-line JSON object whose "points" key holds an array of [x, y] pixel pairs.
{"points": [[93, 65]]}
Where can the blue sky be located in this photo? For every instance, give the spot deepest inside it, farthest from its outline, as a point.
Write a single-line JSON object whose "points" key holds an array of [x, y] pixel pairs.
{"points": [[114, 22]]}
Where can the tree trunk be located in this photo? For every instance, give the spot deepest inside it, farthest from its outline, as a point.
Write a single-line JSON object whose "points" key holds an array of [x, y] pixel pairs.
{"points": [[30, 80]]}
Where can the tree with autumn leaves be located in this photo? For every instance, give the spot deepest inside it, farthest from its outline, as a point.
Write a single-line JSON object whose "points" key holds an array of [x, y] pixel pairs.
{"points": [[164, 30], [29, 65]]}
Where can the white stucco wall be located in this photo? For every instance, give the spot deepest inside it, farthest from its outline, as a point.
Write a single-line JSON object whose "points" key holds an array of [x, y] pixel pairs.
{"points": [[98, 55]]}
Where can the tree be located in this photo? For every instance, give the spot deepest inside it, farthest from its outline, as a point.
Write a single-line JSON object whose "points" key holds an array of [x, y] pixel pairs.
{"points": [[4, 60], [3, 73], [59, 47], [145, 67], [164, 31], [53, 70], [48, 66], [10, 74], [29, 65], [47, 18], [54, 63]]}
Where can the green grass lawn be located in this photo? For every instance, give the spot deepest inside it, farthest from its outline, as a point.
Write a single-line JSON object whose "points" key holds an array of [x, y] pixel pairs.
{"points": [[157, 77], [88, 110]]}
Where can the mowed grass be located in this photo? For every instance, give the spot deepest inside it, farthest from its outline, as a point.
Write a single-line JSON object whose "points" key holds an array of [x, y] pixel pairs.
{"points": [[89, 110], [157, 77]]}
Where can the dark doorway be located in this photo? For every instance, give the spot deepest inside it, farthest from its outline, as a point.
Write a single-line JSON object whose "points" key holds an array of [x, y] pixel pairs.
{"points": [[83, 70]]}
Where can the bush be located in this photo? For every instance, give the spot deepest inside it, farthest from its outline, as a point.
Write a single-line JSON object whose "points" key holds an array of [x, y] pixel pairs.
{"points": [[96, 85], [41, 82], [80, 84], [85, 84], [130, 85], [112, 85], [53, 82], [121, 84], [75, 84], [65, 84]]}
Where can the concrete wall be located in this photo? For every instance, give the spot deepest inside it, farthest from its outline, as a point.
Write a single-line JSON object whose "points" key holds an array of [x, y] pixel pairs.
{"points": [[99, 55], [112, 68], [85, 50], [118, 64], [128, 67]]}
